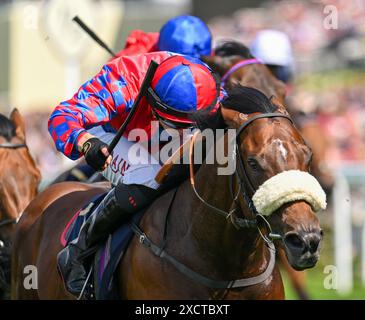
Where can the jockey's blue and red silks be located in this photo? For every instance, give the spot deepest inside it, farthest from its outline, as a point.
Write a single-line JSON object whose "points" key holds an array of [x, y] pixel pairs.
{"points": [[186, 35], [182, 82], [138, 42]]}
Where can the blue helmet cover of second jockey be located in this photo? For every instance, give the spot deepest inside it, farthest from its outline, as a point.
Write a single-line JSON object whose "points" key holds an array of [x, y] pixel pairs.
{"points": [[185, 35]]}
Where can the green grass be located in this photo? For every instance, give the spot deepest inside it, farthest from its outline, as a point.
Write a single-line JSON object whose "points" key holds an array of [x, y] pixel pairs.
{"points": [[316, 290]]}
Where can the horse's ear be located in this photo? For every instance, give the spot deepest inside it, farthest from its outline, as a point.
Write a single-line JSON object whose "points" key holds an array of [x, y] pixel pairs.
{"points": [[214, 62], [281, 107], [232, 118], [19, 123], [210, 60]]}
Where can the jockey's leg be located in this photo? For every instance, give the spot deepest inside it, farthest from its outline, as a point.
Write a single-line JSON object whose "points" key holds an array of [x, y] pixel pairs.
{"points": [[117, 207], [135, 190]]}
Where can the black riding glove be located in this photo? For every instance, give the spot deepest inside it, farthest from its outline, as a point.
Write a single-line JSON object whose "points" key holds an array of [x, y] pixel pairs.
{"points": [[94, 157]]}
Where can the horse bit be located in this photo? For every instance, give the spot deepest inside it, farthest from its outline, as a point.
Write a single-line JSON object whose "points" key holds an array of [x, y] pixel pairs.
{"points": [[8, 145]]}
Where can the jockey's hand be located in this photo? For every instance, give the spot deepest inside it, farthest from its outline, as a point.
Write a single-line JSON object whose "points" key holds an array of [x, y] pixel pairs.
{"points": [[96, 154]]}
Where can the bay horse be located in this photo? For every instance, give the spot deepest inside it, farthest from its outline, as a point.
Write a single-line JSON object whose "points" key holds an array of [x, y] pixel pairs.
{"points": [[19, 179], [235, 64], [212, 247]]}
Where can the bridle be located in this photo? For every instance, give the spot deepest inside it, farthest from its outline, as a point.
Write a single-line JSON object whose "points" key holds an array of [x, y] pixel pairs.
{"points": [[240, 64], [7, 222], [242, 178]]}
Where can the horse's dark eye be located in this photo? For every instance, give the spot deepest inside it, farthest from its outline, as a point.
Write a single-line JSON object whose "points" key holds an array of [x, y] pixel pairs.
{"points": [[253, 164]]}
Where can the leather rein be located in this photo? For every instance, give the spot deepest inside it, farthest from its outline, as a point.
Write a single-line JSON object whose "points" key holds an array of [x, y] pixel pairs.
{"points": [[160, 251]]}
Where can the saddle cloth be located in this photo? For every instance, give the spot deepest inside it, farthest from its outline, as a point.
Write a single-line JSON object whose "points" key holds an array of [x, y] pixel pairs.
{"points": [[108, 255]]}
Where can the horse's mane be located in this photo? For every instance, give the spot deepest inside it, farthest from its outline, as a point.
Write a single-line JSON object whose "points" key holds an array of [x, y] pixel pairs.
{"points": [[7, 128], [232, 48], [247, 100], [239, 98]]}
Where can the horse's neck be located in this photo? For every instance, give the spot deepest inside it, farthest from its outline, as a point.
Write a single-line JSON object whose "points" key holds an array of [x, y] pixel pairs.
{"points": [[224, 248], [258, 76]]}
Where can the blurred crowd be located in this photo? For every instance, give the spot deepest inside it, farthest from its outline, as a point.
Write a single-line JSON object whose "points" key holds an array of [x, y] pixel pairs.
{"points": [[42, 148], [311, 26], [340, 112], [339, 108]]}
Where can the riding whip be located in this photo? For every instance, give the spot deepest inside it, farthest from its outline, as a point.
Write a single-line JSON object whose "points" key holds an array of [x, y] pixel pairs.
{"points": [[93, 35], [142, 92]]}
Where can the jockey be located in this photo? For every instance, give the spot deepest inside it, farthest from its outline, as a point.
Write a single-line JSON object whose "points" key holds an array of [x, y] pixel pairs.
{"points": [[183, 34], [87, 123], [273, 48]]}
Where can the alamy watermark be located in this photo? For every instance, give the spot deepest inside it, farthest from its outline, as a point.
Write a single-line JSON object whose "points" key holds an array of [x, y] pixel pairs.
{"points": [[330, 22], [30, 281], [211, 147], [330, 281]]}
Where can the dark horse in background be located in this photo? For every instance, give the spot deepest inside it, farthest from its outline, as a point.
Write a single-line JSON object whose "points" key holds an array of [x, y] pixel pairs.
{"points": [[259, 76], [208, 243], [19, 179]]}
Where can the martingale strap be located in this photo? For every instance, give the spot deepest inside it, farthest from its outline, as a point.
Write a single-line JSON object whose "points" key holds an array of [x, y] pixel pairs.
{"points": [[211, 283]]}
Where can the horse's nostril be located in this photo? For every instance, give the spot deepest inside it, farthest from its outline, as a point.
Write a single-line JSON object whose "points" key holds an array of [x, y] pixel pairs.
{"points": [[295, 243], [313, 241]]}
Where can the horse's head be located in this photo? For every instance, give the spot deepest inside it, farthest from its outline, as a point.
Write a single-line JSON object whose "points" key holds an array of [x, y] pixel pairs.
{"points": [[19, 175], [274, 171], [255, 75]]}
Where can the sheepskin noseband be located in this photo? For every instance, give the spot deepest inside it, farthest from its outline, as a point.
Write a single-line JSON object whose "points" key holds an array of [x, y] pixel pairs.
{"points": [[289, 186]]}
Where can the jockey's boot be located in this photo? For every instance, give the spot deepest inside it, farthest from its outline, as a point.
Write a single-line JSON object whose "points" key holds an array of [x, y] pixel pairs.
{"points": [[117, 207]]}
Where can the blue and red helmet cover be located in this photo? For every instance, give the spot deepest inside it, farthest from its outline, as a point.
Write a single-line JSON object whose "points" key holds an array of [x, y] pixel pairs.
{"points": [[186, 35], [185, 84]]}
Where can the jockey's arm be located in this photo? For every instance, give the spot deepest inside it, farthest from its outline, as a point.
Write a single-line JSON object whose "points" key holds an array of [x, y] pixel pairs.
{"points": [[97, 102], [105, 99]]}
